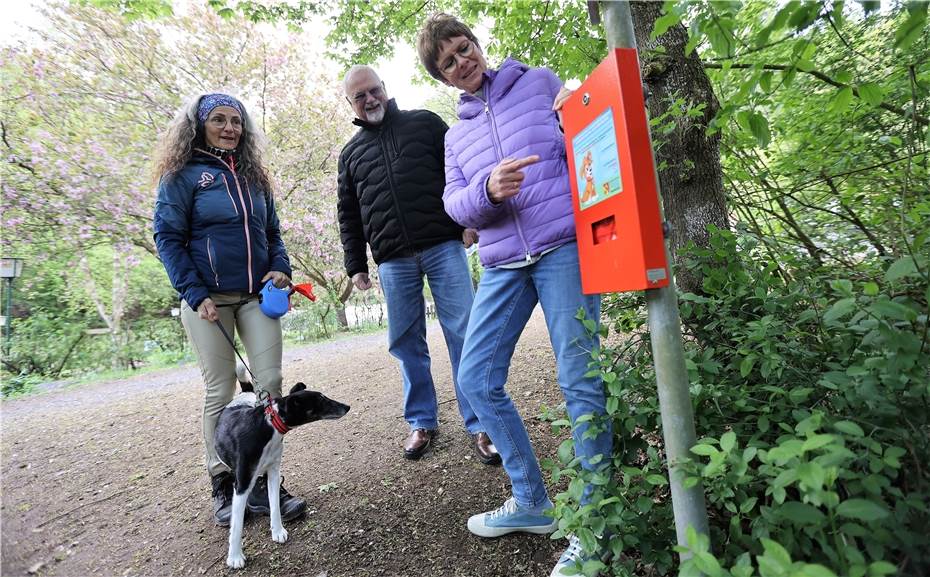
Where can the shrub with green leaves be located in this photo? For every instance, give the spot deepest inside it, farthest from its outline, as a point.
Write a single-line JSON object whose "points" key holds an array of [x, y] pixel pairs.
{"points": [[811, 399]]}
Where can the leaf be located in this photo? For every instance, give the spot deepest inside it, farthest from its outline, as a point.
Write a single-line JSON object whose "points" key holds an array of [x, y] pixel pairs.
{"points": [[816, 442], [665, 22], [707, 563], [880, 568], [861, 509], [839, 309], [566, 451], [911, 29], [811, 474], [849, 427], [893, 455], [843, 286], [870, 288], [895, 310], [656, 480], [728, 441], [815, 570], [704, 450], [904, 266], [765, 81], [872, 93], [842, 99], [745, 367], [759, 127], [777, 553], [801, 513]]}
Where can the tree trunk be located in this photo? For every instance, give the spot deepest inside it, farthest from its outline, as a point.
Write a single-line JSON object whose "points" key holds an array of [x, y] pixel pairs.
{"points": [[341, 316], [690, 175]]}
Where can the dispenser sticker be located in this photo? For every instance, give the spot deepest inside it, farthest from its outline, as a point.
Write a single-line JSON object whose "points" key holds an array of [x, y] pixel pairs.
{"points": [[597, 163]]}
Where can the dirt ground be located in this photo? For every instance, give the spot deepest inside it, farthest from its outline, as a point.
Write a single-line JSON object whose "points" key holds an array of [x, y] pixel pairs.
{"points": [[108, 478]]}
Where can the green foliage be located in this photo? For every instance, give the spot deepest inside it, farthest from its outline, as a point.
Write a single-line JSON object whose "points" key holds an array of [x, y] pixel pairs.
{"points": [[553, 34], [810, 396]]}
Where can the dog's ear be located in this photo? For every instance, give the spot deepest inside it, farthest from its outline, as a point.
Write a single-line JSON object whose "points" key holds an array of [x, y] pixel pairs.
{"points": [[298, 387]]}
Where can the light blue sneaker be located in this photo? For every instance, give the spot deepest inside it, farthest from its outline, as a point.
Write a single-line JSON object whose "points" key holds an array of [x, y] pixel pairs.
{"points": [[573, 558], [510, 518]]}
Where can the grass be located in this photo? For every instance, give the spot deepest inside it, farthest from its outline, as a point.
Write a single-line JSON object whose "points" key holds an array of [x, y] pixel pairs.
{"points": [[18, 386]]}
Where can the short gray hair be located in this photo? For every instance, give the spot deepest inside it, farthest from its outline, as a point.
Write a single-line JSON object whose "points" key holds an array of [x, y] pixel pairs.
{"points": [[355, 70]]}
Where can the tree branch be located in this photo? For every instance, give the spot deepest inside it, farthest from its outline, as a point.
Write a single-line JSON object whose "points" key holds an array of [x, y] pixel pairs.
{"points": [[922, 120]]}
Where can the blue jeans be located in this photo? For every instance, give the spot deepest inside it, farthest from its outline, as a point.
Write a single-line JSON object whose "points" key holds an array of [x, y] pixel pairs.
{"points": [[505, 300], [446, 268]]}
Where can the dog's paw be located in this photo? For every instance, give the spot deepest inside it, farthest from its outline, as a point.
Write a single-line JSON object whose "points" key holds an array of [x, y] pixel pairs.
{"points": [[279, 536], [235, 561]]}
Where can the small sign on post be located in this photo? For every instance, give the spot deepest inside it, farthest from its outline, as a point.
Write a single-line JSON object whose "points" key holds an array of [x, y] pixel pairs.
{"points": [[11, 267]]}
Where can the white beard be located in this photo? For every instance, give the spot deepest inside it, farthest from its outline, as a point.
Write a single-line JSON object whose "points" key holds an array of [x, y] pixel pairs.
{"points": [[375, 116]]}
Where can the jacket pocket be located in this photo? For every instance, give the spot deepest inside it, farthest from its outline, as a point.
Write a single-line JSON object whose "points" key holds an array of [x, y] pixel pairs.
{"points": [[211, 257]]}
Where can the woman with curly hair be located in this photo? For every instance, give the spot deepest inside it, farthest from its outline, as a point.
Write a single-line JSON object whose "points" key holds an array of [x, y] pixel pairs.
{"points": [[218, 237]]}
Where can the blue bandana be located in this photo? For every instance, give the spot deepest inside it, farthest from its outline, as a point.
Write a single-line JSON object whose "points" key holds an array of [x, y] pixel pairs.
{"points": [[211, 101]]}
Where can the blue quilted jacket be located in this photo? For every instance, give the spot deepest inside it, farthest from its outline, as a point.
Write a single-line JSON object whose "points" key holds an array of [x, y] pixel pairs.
{"points": [[215, 232], [515, 120]]}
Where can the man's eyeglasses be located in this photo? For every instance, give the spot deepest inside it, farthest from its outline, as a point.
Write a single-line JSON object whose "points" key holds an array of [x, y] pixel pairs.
{"points": [[376, 92], [451, 63]]}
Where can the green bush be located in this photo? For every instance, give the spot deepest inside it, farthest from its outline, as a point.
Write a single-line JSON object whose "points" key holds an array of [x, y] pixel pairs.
{"points": [[810, 398]]}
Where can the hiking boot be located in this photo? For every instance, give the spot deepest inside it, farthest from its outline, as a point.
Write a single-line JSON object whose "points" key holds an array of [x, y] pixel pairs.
{"points": [[291, 506], [574, 557], [510, 518], [222, 498]]}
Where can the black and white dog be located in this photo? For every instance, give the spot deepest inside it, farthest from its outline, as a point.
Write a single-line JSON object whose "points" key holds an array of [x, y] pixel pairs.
{"points": [[249, 439]]}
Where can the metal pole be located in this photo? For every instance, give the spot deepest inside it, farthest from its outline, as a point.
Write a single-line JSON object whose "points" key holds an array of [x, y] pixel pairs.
{"points": [[9, 312], [665, 334]]}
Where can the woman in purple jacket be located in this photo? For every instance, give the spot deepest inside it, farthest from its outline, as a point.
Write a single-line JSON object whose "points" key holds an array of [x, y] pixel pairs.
{"points": [[507, 176]]}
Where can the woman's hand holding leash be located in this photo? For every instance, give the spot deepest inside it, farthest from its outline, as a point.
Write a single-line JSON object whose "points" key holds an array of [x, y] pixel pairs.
{"points": [[207, 310]]}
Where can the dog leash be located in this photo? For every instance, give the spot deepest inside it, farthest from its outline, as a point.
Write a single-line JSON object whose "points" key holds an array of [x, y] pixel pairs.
{"points": [[263, 397]]}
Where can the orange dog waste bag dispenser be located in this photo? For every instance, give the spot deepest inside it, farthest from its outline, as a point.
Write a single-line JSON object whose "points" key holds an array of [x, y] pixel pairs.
{"points": [[620, 242]]}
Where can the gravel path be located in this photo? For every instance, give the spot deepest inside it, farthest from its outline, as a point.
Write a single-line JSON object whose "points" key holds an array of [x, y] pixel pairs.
{"points": [[107, 478]]}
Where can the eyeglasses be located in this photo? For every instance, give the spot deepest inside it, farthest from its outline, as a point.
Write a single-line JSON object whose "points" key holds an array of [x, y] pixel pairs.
{"points": [[376, 92], [462, 52]]}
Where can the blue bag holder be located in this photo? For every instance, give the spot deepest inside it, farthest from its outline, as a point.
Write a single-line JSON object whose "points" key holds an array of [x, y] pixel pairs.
{"points": [[274, 301]]}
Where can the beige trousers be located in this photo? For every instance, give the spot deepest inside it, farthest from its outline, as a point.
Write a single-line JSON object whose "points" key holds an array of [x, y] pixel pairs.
{"points": [[261, 338]]}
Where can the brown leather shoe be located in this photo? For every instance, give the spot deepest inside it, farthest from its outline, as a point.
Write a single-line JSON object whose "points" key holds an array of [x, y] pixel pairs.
{"points": [[418, 442], [485, 449]]}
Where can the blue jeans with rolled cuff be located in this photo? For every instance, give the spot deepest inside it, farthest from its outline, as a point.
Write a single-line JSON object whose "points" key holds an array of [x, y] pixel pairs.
{"points": [[503, 305]]}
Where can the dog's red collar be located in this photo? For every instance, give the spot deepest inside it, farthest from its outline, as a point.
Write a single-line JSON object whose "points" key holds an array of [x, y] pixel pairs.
{"points": [[276, 421]]}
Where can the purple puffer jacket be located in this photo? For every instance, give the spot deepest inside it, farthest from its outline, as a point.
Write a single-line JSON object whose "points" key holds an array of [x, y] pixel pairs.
{"points": [[516, 121]]}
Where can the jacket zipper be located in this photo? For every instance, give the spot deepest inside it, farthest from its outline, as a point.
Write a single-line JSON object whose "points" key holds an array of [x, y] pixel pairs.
{"points": [[394, 148], [229, 194], [245, 218], [390, 179], [500, 156], [216, 276], [245, 226]]}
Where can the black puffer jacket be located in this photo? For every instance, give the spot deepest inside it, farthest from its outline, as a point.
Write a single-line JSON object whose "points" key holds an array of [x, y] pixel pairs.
{"points": [[391, 180]]}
